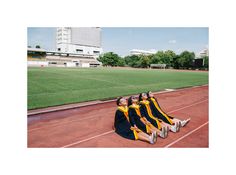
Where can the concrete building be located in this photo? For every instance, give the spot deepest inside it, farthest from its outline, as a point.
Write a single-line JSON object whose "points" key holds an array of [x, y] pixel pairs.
{"points": [[80, 40], [75, 47], [43, 58], [141, 52], [204, 52]]}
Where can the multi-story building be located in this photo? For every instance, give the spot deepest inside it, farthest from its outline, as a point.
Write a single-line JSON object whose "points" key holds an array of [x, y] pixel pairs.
{"points": [[75, 47], [80, 40]]}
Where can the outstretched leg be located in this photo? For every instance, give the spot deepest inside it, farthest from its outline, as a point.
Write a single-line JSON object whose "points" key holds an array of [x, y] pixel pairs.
{"points": [[145, 137], [182, 122]]}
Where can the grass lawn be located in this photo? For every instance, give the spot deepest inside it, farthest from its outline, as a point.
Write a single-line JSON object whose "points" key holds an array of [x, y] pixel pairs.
{"points": [[57, 86]]}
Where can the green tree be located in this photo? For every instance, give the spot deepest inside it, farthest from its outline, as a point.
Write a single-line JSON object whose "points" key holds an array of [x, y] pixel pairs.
{"points": [[132, 61], [144, 61], [169, 58], [162, 57], [37, 46], [155, 59], [185, 59], [109, 59], [206, 62], [176, 64], [121, 62]]}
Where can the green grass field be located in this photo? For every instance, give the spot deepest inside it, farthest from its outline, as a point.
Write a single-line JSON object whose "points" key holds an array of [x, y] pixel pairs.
{"points": [[57, 86]]}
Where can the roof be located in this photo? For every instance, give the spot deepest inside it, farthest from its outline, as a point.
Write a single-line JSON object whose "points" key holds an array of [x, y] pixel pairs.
{"points": [[36, 50]]}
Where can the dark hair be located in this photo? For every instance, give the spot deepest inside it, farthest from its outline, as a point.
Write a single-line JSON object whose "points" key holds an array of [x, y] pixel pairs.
{"points": [[148, 94], [118, 101], [130, 100], [140, 96]]}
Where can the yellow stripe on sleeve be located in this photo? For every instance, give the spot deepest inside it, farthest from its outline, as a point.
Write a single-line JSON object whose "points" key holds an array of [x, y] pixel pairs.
{"points": [[159, 109]]}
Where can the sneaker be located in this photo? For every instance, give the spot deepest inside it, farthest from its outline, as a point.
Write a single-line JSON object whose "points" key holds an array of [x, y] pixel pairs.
{"points": [[184, 122], [151, 139], [166, 131], [155, 135], [163, 132], [178, 126], [173, 128]]}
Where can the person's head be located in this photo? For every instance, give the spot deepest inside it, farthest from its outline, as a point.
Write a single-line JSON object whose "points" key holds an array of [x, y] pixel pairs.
{"points": [[132, 99], [121, 101], [142, 96], [150, 94]]}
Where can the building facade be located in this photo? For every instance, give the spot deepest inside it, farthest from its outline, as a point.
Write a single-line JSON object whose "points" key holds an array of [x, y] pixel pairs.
{"points": [[204, 53], [80, 40], [141, 52]]}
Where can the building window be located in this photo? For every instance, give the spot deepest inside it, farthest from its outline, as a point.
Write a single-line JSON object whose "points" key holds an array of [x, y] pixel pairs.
{"points": [[52, 62], [79, 50], [58, 49], [96, 52]]}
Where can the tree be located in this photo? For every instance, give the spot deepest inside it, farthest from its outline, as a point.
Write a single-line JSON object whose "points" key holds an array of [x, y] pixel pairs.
{"points": [[185, 59], [121, 62], [155, 59], [169, 58], [206, 62], [144, 61], [37, 46], [176, 63], [109, 59], [132, 61], [162, 57]]}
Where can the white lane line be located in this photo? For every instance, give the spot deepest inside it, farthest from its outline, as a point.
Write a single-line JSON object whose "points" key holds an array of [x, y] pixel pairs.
{"points": [[90, 138], [77, 142], [188, 106], [179, 139], [60, 123]]}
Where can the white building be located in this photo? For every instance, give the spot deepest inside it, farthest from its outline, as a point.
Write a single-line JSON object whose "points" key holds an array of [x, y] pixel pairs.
{"points": [[141, 52], [79, 40], [204, 52]]}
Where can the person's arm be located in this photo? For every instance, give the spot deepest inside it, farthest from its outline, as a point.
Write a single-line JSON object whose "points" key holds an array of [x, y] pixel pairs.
{"points": [[131, 117], [118, 119], [142, 110], [143, 114]]}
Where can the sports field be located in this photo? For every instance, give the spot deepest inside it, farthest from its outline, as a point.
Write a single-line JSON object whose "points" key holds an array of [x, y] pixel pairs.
{"points": [[58, 86]]}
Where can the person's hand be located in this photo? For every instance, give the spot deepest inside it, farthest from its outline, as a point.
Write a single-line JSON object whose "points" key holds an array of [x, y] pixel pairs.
{"points": [[134, 128]]}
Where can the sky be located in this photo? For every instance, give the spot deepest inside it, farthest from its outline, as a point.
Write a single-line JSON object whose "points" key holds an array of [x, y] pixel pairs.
{"points": [[123, 39]]}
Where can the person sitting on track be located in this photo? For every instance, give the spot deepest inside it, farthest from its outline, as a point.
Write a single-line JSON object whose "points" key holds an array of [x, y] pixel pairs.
{"points": [[161, 115], [123, 127], [136, 120], [147, 115]]}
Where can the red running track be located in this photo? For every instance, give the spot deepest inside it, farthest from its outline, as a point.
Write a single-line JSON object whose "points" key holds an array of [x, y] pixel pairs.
{"points": [[91, 126]]}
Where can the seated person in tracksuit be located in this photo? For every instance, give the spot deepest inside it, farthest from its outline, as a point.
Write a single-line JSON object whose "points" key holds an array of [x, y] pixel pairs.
{"points": [[123, 127], [136, 120], [173, 123], [146, 113]]}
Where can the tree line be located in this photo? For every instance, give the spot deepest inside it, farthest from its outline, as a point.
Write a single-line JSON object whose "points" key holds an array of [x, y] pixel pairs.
{"points": [[184, 60]]}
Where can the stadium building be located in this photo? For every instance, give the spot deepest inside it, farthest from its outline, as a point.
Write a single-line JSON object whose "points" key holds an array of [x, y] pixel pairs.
{"points": [[199, 59], [141, 52], [75, 47]]}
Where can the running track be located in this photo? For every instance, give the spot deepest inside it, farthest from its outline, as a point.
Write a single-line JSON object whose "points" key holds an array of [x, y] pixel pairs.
{"points": [[91, 126]]}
